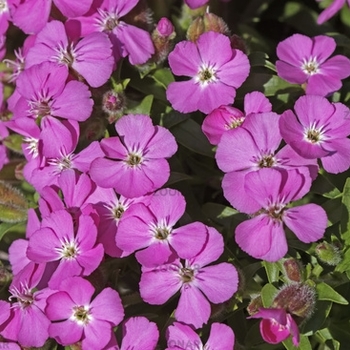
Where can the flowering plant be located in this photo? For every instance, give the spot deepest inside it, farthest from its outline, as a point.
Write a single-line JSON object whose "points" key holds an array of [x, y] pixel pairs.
{"points": [[174, 174]]}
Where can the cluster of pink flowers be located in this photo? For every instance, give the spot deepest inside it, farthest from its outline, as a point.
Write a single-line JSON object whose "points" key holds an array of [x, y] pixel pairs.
{"points": [[103, 200]]}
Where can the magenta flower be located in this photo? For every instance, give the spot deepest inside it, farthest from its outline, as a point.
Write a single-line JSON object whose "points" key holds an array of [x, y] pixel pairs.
{"points": [[255, 146], [304, 60], [277, 325], [331, 10], [27, 324], [74, 250], [150, 230], [181, 336], [193, 4], [44, 92], [75, 317], [139, 334], [108, 16], [320, 129], [32, 16], [214, 78], [91, 57], [226, 117], [112, 209], [274, 190], [134, 163], [196, 281]]}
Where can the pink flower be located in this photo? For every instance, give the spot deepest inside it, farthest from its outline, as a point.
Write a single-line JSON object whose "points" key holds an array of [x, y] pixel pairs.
{"points": [[274, 190], [320, 129], [150, 230], [72, 247], [193, 4], [27, 323], [75, 317], [331, 10], [44, 91], [32, 15], [197, 282], [108, 16], [139, 334], [226, 117], [91, 57], [304, 60], [277, 325], [255, 146], [214, 78], [134, 163], [180, 336]]}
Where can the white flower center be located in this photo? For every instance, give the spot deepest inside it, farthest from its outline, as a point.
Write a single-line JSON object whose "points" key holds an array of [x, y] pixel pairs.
{"points": [[32, 145], [3, 7], [234, 123], [206, 75], [161, 230], [313, 134], [134, 159], [65, 55], [69, 250], [81, 315], [310, 66], [106, 21], [63, 163]]}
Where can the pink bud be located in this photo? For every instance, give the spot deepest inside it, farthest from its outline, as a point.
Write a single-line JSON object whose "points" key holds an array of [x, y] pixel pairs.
{"points": [[164, 27]]}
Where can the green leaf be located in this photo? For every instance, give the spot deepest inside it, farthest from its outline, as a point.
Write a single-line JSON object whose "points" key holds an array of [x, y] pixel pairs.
{"points": [[6, 227], [260, 59], [303, 345], [326, 292], [190, 135], [345, 213], [177, 177], [143, 107], [172, 118], [272, 271], [268, 293], [344, 265], [14, 143], [324, 187], [163, 77]]}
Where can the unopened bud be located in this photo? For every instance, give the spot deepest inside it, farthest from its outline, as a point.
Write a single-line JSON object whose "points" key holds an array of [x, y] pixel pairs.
{"points": [[206, 23], [297, 299], [238, 43], [113, 103], [162, 38], [255, 305], [292, 270], [328, 253], [165, 28]]}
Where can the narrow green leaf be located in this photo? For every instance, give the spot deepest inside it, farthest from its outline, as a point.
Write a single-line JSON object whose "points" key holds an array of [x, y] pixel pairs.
{"points": [[190, 135], [326, 292], [303, 345], [324, 187], [6, 227], [14, 143], [143, 107], [163, 77], [272, 271], [345, 213], [268, 293]]}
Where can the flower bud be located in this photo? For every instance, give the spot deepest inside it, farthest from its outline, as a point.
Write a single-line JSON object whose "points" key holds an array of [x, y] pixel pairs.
{"points": [[292, 270], [162, 38], [113, 103], [328, 253], [238, 43], [297, 299], [254, 305], [165, 28], [207, 22]]}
